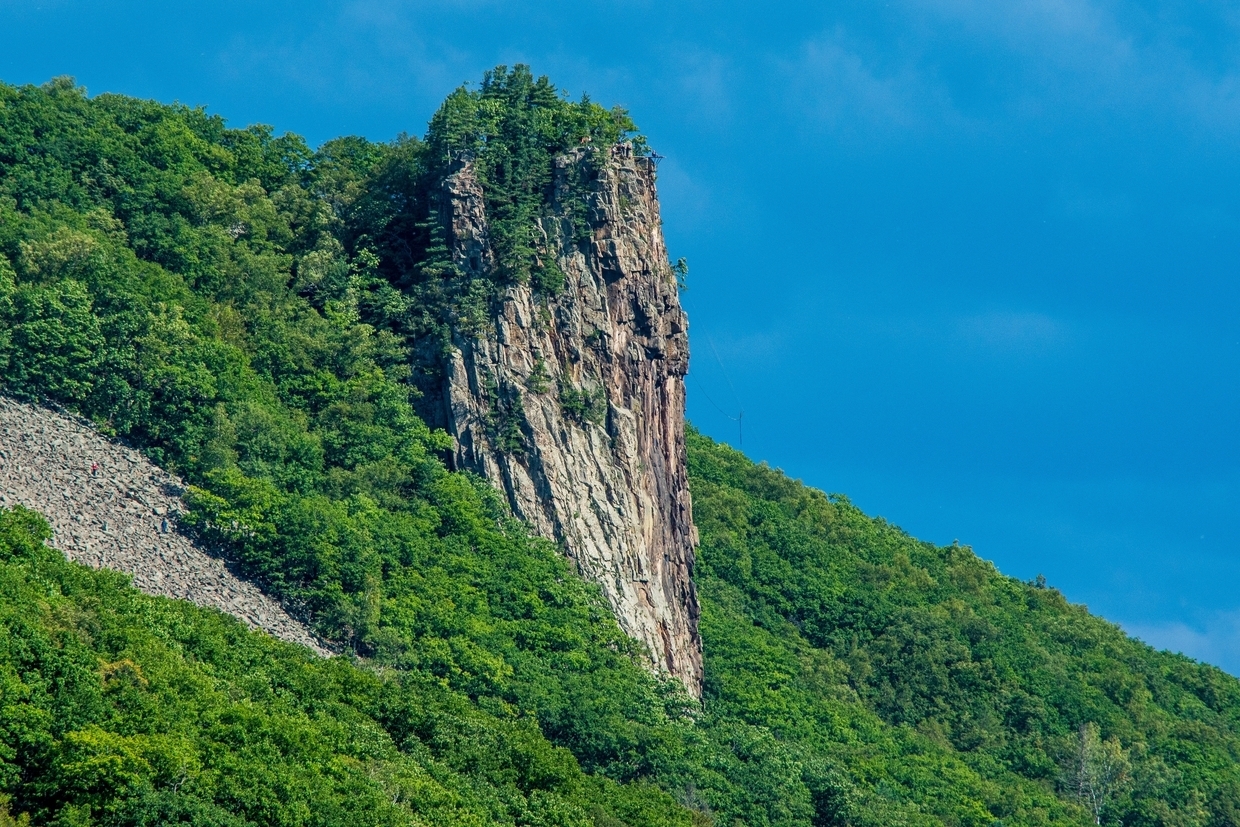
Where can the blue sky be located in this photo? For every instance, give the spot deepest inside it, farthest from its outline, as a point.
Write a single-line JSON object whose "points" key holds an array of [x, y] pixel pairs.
{"points": [[973, 264]]}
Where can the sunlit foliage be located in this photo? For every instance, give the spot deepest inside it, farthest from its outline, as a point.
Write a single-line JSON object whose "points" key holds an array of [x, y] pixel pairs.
{"points": [[262, 318]]}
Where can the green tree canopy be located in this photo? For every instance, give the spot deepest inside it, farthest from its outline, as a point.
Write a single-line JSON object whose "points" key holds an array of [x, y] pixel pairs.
{"points": [[261, 318]]}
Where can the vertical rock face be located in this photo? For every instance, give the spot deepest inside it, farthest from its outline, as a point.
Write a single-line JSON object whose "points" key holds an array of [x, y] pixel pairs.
{"points": [[572, 401]]}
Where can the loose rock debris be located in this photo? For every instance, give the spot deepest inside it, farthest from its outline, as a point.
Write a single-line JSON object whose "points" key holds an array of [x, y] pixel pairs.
{"points": [[110, 507]]}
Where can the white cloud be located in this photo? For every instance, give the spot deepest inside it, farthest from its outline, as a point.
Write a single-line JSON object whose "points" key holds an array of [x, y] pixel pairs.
{"points": [[1030, 24], [1215, 641], [365, 52], [1012, 331], [703, 81], [1118, 55], [851, 88], [1005, 334], [953, 65]]}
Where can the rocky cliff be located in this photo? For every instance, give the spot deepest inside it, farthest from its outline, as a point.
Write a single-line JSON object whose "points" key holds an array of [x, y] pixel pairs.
{"points": [[572, 401], [109, 507]]}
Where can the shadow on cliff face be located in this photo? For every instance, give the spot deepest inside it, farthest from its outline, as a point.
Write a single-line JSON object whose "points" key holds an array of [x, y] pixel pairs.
{"points": [[571, 401]]}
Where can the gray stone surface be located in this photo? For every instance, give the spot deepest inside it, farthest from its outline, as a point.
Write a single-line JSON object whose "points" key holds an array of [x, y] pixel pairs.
{"points": [[122, 517], [614, 491]]}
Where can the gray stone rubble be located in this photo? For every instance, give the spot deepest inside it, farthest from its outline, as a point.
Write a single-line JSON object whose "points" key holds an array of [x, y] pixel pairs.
{"points": [[123, 516]]}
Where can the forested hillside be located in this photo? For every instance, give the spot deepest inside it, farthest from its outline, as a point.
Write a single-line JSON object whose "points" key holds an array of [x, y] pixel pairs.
{"points": [[255, 315], [921, 664], [152, 265], [118, 708]]}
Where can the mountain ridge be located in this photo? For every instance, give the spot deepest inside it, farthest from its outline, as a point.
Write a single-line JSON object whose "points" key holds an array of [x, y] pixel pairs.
{"points": [[267, 321]]}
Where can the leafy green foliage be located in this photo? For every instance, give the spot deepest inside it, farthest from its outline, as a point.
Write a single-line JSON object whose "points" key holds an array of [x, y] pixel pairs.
{"points": [[261, 318], [122, 709], [186, 286], [512, 128], [583, 404], [933, 684], [508, 131], [680, 270], [540, 379]]}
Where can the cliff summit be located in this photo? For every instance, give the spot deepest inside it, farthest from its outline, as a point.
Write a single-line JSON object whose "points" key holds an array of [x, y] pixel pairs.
{"points": [[572, 402]]}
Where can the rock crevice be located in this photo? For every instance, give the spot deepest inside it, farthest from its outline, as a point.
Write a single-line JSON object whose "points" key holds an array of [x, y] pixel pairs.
{"points": [[572, 401]]}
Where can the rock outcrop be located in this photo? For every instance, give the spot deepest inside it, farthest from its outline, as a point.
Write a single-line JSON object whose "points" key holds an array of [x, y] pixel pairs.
{"points": [[572, 401], [121, 516]]}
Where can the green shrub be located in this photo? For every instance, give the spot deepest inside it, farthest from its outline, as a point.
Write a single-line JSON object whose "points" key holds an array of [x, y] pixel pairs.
{"points": [[584, 405], [265, 320], [122, 709]]}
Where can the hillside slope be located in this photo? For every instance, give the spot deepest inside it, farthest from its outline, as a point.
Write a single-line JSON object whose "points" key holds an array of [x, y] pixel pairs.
{"points": [[121, 709], [110, 507], [982, 683], [266, 321], [152, 264]]}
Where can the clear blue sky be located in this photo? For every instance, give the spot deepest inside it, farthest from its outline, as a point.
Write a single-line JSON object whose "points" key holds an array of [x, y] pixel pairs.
{"points": [[973, 264]]}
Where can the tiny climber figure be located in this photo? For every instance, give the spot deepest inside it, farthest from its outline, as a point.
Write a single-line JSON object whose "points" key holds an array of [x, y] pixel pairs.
{"points": [[94, 469]]}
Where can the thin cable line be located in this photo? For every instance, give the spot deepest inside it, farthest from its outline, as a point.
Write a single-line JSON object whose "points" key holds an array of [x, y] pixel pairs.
{"points": [[739, 419], [735, 396], [698, 385]]}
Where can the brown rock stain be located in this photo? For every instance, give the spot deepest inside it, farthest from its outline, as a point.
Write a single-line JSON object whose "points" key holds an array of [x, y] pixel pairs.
{"points": [[612, 487]]}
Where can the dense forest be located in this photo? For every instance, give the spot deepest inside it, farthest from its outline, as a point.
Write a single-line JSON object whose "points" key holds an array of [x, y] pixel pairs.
{"points": [[256, 315]]}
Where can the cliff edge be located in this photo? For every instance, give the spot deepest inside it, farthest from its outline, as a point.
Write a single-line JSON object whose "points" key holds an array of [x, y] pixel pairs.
{"points": [[572, 401]]}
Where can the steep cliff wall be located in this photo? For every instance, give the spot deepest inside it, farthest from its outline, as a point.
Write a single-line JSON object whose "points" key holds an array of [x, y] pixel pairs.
{"points": [[572, 401]]}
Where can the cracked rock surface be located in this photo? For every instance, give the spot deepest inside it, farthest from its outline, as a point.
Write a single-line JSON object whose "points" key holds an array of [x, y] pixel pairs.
{"points": [[573, 404], [122, 516]]}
